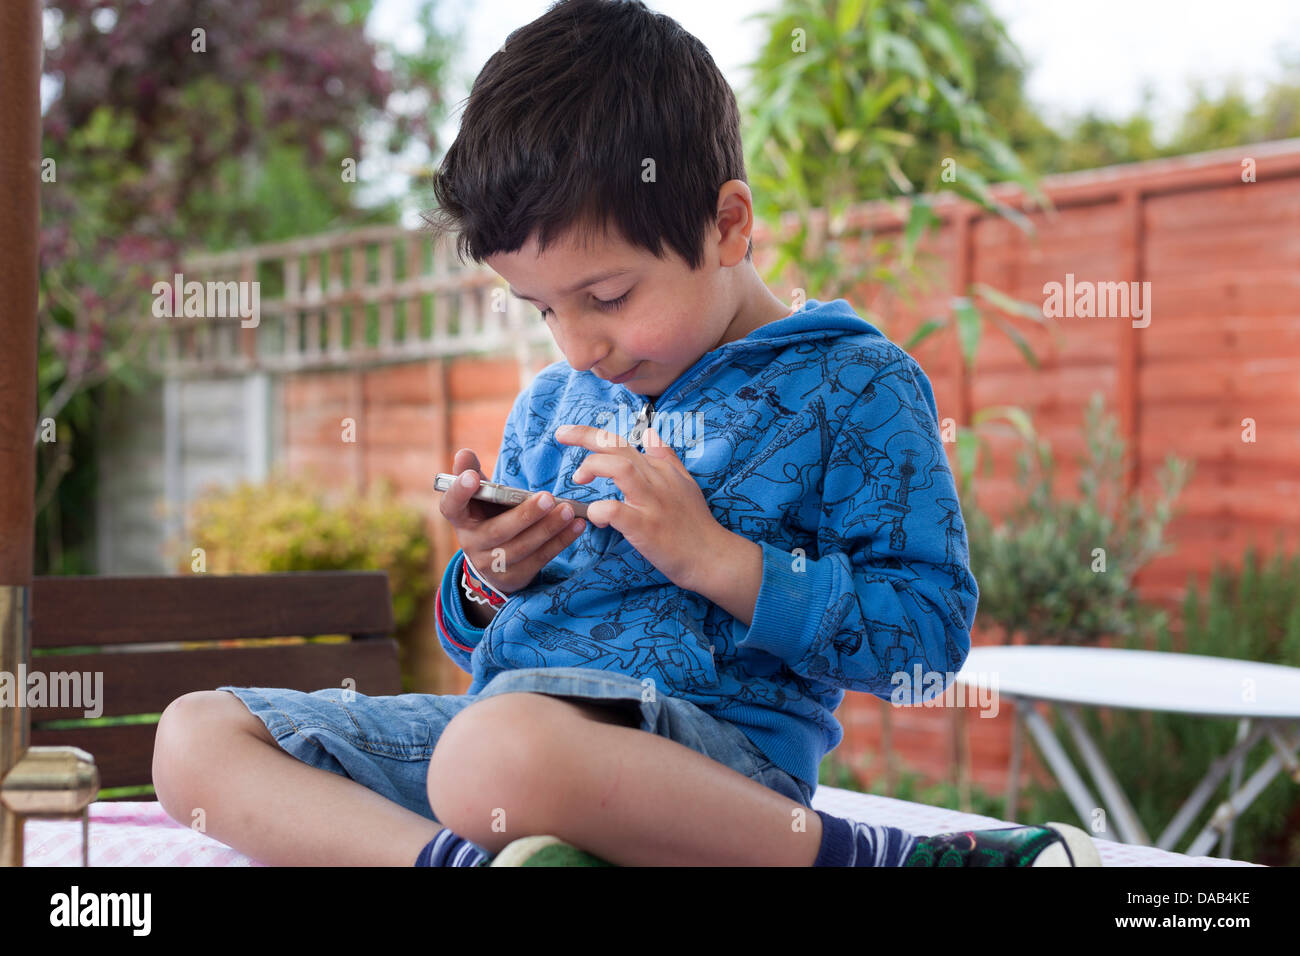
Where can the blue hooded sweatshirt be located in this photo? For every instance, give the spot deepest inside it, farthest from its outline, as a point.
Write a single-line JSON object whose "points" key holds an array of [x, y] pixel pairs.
{"points": [[817, 438]]}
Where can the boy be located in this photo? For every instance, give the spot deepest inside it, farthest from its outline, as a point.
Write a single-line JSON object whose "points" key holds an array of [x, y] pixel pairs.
{"points": [[770, 521]]}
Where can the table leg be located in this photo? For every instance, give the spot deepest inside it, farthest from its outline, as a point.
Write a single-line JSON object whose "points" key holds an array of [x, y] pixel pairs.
{"points": [[1071, 782], [1218, 770], [1126, 819], [1286, 749], [1234, 781], [1243, 798], [1017, 742]]}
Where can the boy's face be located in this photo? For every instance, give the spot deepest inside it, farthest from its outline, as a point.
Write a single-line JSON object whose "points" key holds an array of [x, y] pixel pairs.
{"points": [[669, 316]]}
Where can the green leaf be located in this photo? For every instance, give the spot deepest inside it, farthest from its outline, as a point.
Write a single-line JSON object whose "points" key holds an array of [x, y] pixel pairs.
{"points": [[848, 15], [1018, 417], [920, 217], [952, 50], [967, 450], [882, 100], [974, 186], [896, 173], [1003, 301], [894, 136], [1001, 156], [878, 51], [956, 99], [923, 332], [845, 140], [969, 325], [905, 54], [1014, 334]]}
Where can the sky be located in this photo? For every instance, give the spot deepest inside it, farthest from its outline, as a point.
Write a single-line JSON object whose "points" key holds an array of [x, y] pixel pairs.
{"points": [[1081, 54]]}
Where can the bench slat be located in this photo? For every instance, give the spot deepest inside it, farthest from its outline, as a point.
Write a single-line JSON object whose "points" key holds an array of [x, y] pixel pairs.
{"points": [[204, 607], [146, 682], [110, 611], [123, 754]]}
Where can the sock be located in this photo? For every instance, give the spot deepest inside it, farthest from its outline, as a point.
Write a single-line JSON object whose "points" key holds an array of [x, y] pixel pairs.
{"points": [[849, 843], [448, 849]]}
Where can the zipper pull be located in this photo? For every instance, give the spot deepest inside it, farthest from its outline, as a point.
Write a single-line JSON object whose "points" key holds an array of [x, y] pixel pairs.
{"points": [[642, 423]]}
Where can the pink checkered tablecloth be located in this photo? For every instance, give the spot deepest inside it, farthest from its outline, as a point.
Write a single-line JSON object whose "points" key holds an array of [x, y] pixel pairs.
{"points": [[124, 833], [141, 834]]}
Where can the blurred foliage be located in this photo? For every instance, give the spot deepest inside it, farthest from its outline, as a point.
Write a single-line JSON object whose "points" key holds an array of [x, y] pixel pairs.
{"points": [[856, 100], [162, 140], [861, 99], [1211, 121], [293, 525], [1039, 572]]}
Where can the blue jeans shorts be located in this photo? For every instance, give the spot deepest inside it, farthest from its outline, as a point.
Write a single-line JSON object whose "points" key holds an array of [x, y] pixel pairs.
{"points": [[385, 743]]}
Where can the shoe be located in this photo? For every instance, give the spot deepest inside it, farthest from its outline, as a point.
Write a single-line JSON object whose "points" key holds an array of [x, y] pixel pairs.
{"points": [[1055, 844], [544, 851]]}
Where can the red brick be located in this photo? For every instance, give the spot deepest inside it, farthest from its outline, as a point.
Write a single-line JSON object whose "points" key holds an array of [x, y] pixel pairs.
{"points": [[479, 379], [401, 426], [410, 383]]}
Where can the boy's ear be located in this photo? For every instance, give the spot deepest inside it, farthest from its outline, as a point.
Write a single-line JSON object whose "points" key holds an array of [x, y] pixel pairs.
{"points": [[735, 220]]}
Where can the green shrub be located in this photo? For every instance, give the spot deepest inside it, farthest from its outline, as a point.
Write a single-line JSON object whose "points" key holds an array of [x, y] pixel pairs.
{"points": [[292, 525], [1061, 571]]}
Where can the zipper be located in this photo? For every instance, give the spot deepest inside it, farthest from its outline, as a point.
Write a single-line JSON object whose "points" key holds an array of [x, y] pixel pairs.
{"points": [[643, 419], [646, 415]]}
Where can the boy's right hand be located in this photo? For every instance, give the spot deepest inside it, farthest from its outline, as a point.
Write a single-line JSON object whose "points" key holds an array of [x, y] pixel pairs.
{"points": [[531, 534]]}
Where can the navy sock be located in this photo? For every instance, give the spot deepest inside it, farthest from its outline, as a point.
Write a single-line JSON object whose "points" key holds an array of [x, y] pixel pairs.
{"points": [[849, 843], [448, 849]]}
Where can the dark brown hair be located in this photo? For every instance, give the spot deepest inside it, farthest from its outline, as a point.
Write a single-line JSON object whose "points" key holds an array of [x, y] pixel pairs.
{"points": [[560, 121]]}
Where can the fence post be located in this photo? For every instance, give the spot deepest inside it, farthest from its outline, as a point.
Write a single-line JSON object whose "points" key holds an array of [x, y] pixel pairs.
{"points": [[1129, 349]]}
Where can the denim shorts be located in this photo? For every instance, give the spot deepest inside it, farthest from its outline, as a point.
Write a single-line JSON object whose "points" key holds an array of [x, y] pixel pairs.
{"points": [[385, 743]]}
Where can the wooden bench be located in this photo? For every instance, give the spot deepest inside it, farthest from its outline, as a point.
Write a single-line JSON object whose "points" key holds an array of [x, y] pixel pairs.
{"points": [[136, 624]]}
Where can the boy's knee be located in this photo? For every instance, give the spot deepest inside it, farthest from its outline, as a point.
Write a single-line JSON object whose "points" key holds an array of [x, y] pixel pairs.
{"points": [[187, 730], [494, 761]]}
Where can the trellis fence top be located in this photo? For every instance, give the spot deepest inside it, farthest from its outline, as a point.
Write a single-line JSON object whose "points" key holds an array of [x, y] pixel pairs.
{"points": [[348, 299]]}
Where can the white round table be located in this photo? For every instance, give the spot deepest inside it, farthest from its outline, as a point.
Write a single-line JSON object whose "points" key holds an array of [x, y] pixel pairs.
{"points": [[1266, 696]]}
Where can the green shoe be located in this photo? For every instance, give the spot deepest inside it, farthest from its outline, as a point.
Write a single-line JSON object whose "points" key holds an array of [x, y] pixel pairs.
{"points": [[1055, 844], [544, 851]]}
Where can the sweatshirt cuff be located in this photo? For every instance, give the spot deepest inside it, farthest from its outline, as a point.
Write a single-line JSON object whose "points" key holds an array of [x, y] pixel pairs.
{"points": [[792, 601], [453, 623]]}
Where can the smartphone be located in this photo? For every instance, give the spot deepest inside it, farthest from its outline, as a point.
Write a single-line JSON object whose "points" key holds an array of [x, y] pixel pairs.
{"points": [[504, 494]]}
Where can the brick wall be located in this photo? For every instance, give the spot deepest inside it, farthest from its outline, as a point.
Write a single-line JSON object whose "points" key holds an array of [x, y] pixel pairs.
{"points": [[409, 421]]}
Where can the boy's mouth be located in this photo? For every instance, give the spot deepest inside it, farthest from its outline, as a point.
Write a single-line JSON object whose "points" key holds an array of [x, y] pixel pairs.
{"points": [[626, 375]]}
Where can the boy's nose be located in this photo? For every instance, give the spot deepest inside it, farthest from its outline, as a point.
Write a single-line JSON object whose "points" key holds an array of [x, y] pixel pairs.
{"points": [[588, 356], [583, 351]]}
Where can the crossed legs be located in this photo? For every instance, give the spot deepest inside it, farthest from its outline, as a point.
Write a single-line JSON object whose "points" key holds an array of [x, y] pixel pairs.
{"points": [[211, 754], [506, 767], [522, 764]]}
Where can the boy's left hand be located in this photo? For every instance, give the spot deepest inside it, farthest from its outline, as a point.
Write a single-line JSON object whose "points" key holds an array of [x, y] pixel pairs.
{"points": [[663, 514]]}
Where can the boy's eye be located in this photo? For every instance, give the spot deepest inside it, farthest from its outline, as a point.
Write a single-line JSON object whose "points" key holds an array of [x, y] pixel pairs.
{"points": [[613, 304], [602, 304]]}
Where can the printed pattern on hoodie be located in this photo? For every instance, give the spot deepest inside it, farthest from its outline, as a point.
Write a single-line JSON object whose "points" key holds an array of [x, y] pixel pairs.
{"points": [[815, 437]]}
